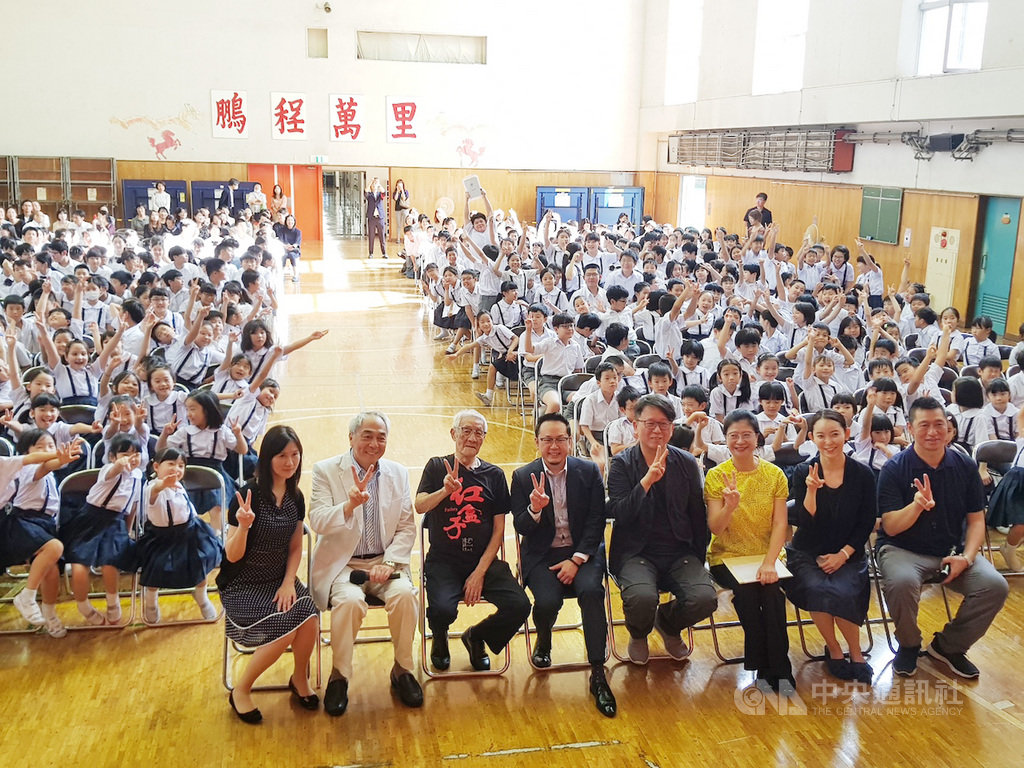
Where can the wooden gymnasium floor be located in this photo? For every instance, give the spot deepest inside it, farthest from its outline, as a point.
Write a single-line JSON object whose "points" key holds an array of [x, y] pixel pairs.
{"points": [[154, 696]]}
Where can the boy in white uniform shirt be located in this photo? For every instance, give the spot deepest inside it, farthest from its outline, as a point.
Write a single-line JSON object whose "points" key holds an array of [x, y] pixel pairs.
{"points": [[560, 355], [598, 410]]}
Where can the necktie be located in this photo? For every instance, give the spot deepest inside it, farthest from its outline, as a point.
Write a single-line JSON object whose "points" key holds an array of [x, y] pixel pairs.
{"points": [[371, 536]]}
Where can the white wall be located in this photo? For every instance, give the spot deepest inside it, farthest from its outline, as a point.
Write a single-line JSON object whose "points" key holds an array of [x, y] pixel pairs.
{"points": [[859, 65], [112, 62]]}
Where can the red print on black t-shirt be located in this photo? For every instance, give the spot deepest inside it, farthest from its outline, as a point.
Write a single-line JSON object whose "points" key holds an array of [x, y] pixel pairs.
{"points": [[461, 512]]}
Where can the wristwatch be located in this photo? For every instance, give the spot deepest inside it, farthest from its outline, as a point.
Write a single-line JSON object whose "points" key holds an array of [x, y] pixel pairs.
{"points": [[391, 564]]}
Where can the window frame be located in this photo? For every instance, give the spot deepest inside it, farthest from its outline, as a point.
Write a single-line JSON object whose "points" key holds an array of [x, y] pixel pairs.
{"points": [[931, 5]]}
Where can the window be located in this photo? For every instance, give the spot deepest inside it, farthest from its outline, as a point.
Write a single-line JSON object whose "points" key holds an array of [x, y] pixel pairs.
{"points": [[316, 43], [437, 49], [682, 53], [779, 46], [952, 36]]}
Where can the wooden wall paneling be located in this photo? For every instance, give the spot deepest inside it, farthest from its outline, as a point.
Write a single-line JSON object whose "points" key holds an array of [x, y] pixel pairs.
{"points": [[505, 189], [921, 212], [661, 196]]}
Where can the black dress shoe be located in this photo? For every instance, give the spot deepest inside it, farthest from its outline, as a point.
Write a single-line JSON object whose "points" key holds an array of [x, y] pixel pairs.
{"points": [[311, 702], [336, 697], [478, 657], [604, 699], [252, 717], [439, 654], [541, 657], [408, 689]]}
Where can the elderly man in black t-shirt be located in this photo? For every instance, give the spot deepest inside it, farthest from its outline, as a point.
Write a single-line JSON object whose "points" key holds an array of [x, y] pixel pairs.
{"points": [[465, 500], [932, 504]]}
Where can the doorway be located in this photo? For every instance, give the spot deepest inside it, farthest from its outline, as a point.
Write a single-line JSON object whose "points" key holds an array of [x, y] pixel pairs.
{"points": [[1000, 223], [692, 201], [344, 206]]}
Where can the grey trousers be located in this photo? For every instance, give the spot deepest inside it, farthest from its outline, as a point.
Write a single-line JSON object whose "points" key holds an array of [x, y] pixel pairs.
{"points": [[640, 579], [903, 574]]}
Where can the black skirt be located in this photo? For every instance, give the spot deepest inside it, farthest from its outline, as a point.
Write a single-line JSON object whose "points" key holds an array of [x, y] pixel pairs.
{"points": [[22, 533], [178, 556], [97, 536], [844, 593], [1006, 506]]}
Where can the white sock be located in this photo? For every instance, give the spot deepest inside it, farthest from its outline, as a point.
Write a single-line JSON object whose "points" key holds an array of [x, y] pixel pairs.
{"points": [[149, 595], [489, 393], [30, 594], [199, 593], [113, 601], [49, 610], [85, 608]]}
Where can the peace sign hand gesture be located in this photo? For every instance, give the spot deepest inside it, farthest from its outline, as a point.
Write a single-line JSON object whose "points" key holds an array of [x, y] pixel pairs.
{"points": [[814, 480], [245, 515], [923, 498], [730, 494], [452, 481], [656, 470], [538, 498], [357, 494]]}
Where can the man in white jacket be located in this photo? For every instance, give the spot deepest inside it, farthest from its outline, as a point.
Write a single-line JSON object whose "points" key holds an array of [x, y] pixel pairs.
{"points": [[361, 509]]}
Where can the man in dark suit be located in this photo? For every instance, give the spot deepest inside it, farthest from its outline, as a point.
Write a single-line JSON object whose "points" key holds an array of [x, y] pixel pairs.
{"points": [[376, 215], [558, 508], [660, 534], [228, 198]]}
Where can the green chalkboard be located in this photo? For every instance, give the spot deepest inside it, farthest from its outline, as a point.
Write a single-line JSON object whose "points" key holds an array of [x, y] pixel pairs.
{"points": [[880, 214]]}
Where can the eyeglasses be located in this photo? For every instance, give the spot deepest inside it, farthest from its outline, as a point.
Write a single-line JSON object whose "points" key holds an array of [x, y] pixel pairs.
{"points": [[470, 432], [554, 440], [651, 424]]}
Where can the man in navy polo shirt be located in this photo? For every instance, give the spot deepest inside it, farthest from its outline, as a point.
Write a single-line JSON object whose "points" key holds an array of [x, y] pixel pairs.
{"points": [[932, 504]]}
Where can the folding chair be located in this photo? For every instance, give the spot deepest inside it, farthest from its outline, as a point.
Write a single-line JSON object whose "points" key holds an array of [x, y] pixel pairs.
{"points": [[917, 354], [910, 341], [578, 625], [426, 634], [713, 626], [82, 414], [233, 652], [614, 622], [1005, 350], [591, 365], [999, 456], [785, 373], [643, 346], [875, 575], [73, 490], [1013, 370], [970, 370], [646, 361], [196, 479], [6, 447]]}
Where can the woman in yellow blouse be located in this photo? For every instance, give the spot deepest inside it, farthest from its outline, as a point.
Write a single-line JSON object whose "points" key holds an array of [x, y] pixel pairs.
{"points": [[746, 500]]}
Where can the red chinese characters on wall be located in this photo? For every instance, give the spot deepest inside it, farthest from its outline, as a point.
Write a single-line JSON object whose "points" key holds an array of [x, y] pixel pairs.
{"points": [[230, 113], [402, 121], [346, 116], [288, 115]]}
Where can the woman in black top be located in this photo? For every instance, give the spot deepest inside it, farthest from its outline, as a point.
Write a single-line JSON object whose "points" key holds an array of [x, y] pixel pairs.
{"points": [[834, 507], [266, 607]]}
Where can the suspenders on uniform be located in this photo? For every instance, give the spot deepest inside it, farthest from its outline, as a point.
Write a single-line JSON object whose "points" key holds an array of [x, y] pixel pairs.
{"points": [[213, 448]]}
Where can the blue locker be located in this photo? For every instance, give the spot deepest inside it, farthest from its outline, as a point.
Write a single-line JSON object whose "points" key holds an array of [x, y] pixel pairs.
{"points": [[137, 192], [570, 203], [205, 194], [606, 203]]}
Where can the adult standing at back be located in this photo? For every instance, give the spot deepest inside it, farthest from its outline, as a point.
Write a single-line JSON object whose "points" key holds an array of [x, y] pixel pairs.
{"points": [[764, 213], [361, 509], [376, 215], [230, 198], [402, 206], [932, 504]]}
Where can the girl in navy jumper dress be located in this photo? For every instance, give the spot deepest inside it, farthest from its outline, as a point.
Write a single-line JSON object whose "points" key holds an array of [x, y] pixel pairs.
{"points": [[177, 550]]}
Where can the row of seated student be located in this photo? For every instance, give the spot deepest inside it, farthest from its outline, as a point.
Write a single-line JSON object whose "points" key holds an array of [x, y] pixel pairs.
{"points": [[786, 339], [172, 353]]}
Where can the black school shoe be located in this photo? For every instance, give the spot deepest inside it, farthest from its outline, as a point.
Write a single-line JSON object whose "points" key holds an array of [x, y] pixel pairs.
{"points": [[408, 689], [336, 697]]}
